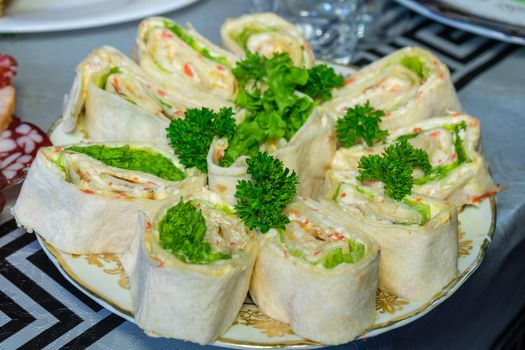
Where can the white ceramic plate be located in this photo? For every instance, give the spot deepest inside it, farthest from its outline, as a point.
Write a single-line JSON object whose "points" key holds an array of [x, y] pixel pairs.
{"points": [[102, 278], [470, 20], [30, 16]]}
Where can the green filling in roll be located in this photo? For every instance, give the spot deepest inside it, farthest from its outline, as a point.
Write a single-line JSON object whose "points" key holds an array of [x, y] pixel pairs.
{"points": [[182, 231], [128, 158]]}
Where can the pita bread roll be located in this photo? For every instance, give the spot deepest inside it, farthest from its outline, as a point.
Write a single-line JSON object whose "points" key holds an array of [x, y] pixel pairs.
{"points": [[192, 271], [88, 195], [459, 173], [418, 235], [180, 57], [112, 96], [309, 153], [266, 34], [317, 275], [409, 85]]}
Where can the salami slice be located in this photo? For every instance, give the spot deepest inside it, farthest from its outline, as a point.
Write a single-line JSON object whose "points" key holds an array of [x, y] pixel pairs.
{"points": [[19, 144]]}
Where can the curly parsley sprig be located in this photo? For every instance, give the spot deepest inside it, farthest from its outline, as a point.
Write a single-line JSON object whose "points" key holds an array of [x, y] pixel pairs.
{"points": [[360, 122], [260, 202], [191, 137], [316, 82], [321, 80], [394, 168]]}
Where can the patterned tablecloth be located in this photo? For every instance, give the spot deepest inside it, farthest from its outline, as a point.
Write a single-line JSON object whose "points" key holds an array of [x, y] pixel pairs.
{"points": [[40, 309]]}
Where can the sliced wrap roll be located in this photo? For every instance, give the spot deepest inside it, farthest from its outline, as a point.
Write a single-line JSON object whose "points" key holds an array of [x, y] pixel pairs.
{"points": [[409, 85], [182, 59], [180, 288], [88, 195], [116, 101], [418, 235], [317, 275], [309, 153], [266, 34], [459, 172]]}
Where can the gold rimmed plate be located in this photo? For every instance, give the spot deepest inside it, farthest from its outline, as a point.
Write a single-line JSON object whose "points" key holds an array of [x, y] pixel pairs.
{"points": [[102, 278]]}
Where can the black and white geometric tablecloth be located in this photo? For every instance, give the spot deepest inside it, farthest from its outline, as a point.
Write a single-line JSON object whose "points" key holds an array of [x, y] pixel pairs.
{"points": [[40, 309], [38, 306]]}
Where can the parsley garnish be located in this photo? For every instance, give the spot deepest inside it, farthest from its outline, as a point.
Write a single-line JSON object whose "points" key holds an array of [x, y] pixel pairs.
{"points": [[260, 202], [251, 68], [191, 137], [321, 80], [360, 122], [394, 168]]}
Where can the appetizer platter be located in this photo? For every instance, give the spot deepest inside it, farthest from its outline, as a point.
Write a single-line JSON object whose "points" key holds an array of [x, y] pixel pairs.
{"points": [[251, 196]]}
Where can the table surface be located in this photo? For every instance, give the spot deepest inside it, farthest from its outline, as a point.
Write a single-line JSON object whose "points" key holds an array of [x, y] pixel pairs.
{"points": [[38, 308]]}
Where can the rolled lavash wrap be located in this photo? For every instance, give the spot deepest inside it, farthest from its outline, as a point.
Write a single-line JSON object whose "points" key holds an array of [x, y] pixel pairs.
{"points": [[418, 235], [317, 275], [180, 57], [266, 34], [459, 173], [409, 85], [192, 270], [88, 195], [115, 101], [309, 153]]}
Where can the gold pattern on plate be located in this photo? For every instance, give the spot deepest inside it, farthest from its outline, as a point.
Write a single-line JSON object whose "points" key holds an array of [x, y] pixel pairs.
{"points": [[465, 246], [389, 303], [266, 325], [115, 267], [81, 284]]}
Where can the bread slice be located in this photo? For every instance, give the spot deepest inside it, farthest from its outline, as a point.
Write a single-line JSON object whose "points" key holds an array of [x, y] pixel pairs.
{"points": [[7, 105]]}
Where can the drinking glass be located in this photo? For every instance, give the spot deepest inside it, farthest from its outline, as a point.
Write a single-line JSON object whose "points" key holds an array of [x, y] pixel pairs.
{"points": [[331, 26], [336, 27]]}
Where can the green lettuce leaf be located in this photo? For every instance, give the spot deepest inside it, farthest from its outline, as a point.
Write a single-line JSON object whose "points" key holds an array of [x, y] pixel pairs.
{"points": [[182, 231], [128, 158]]}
